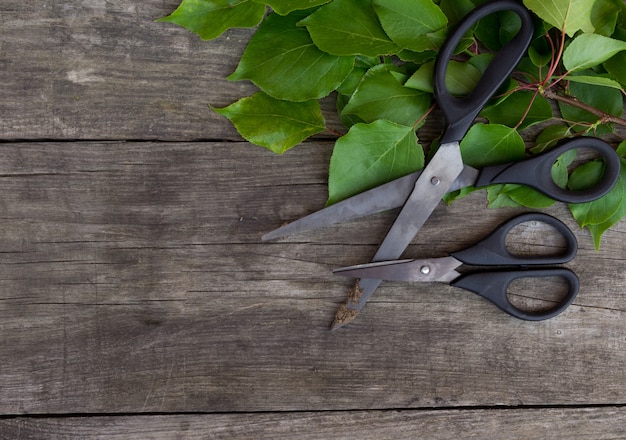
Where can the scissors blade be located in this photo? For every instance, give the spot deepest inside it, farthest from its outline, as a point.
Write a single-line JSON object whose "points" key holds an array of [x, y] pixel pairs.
{"points": [[428, 270], [435, 180], [382, 198]]}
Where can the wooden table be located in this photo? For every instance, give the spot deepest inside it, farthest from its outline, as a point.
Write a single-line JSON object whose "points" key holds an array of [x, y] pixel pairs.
{"points": [[138, 301]]}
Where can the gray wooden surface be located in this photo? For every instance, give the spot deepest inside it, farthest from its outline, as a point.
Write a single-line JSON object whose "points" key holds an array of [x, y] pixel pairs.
{"points": [[137, 299]]}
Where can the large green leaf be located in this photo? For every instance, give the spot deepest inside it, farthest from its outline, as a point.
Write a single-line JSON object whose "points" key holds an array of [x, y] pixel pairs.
{"points": [[284, 7], [381, 96], [590, 50], [491, 144], [282, 60], [272, 123], [349, 27], [598, 80], [370, 155], [456, 10], [620, 189], [461, 78], [574, 15], [521, 108], [598, 216], [407, 20], [210, 18]]}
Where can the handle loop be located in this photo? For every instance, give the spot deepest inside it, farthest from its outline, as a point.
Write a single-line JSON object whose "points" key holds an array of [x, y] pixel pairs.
{"points": [[493, 287], [460, 112], [537, 172], [492, 250]]}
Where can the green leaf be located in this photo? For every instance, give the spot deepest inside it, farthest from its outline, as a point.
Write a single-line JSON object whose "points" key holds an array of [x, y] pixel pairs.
{"points": [[495, 30], [598, 216], [282, 60], [590, 50], [539, 59], [349, 27], [352, 81], [598, 80], [417, 58], [370, 155], [511, 195], [381, 96], [549, 137], [616, 66], [574, 15], [560, 169], [598, 211], [461, 78], [272, 123], [491, 144], [522, 109], [211, 18], [284, 7], [604, 16], [497, 198], [621, 150], [456, 10], [405, 21], [605, 99]]}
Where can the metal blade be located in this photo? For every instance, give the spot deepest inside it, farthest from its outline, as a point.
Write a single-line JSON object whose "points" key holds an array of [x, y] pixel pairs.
{"points": [[428, 270], [382, 198], [435, 180]]}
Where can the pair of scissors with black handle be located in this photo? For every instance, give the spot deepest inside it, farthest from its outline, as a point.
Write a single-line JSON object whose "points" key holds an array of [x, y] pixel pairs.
{"points": [[420, 192], [534, 172], [491, 285]]}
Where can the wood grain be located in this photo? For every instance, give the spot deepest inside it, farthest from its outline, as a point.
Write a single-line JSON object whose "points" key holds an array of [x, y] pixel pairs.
{"points": [[138, 300], [133, 279], [107, 70], [593, 423]]}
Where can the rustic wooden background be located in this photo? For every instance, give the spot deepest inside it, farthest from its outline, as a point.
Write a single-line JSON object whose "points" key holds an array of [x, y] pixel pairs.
{"points": [[138, 301]]}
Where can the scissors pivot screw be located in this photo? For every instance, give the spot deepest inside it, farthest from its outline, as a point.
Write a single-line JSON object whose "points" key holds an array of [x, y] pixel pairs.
{"points": [[425, 270], [435, 181]]}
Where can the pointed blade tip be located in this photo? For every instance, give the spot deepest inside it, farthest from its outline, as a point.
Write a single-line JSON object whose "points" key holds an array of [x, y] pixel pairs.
{"points": [[276, 233], [336, 326], [343, 317], [267, 237]]}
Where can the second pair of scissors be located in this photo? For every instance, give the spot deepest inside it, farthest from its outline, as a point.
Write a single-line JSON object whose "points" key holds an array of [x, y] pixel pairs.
{"points": [[419, 193], [491, 285]]}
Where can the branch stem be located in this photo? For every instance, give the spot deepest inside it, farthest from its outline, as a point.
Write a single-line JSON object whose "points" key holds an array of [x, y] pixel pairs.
{"points": [[570, 100]]}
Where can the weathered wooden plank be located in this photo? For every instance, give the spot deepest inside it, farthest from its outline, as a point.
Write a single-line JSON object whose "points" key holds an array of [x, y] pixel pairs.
{"points": [[133, 279], [106, 70], [593, 423]]}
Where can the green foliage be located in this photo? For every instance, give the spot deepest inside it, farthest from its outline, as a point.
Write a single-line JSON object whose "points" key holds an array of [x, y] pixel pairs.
{"points": [[274, 123], [209, 19], [282, 60], [376, 58], [378, 152]]}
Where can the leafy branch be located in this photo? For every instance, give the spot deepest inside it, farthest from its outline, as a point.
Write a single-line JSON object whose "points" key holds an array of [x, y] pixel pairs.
{"points": [[378, 64]]}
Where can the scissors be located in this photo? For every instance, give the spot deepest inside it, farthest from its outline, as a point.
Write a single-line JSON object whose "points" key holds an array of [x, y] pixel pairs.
{"points": [[491, 285], [420, 192]]}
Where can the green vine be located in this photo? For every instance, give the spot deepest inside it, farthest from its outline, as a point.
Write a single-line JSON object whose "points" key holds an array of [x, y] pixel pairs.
{"points": [[376, 58]]}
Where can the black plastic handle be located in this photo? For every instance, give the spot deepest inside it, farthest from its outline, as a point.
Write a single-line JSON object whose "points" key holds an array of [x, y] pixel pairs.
{"points": [[493, 286], [460, 112], [492, 250], [536, 172]]}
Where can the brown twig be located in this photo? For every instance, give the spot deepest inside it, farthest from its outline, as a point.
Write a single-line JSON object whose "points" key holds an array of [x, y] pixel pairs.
{"points": [[570, 100]]}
